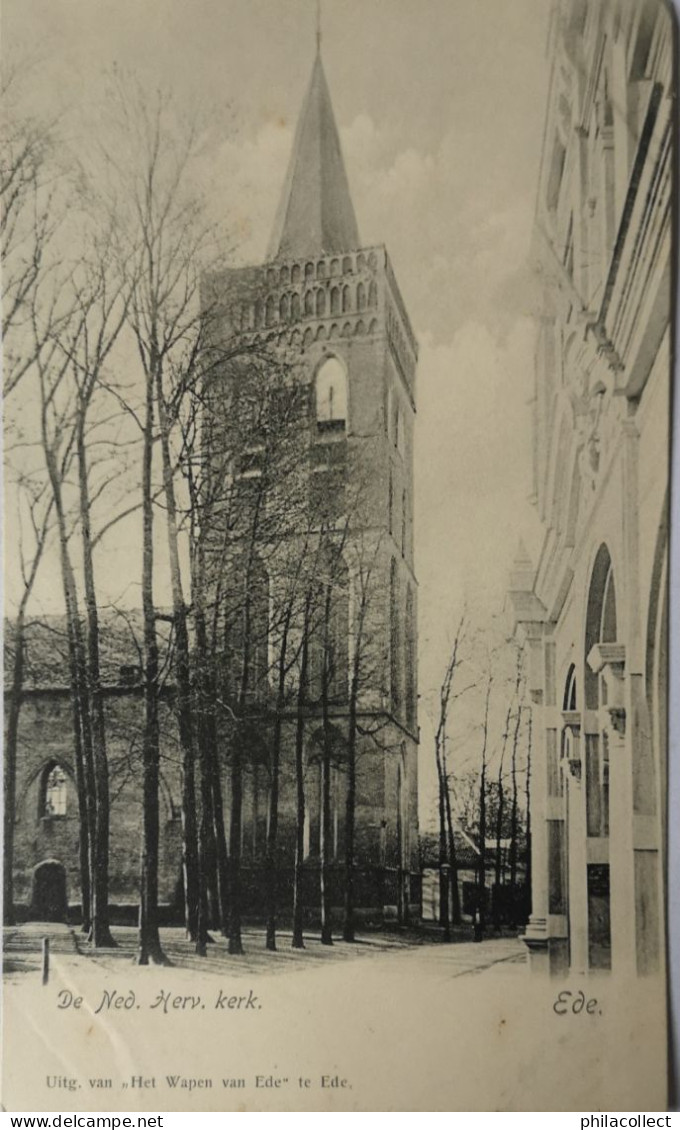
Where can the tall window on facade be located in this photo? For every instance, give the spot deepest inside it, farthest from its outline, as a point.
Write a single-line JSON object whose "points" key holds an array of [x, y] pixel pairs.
{"points": [[410, 660], [329, 635], [398, 427], [257, 602], [329, 449], [54, 792], [331, 396], [314, 797], [395, 639], [247, 632]]}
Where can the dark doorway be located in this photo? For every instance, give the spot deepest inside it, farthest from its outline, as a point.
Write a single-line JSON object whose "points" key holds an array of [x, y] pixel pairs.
{"points": [[48, 898]]}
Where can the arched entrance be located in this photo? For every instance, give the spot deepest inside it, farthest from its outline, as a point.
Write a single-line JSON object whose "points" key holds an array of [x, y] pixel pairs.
{"points": [[49, 902]]}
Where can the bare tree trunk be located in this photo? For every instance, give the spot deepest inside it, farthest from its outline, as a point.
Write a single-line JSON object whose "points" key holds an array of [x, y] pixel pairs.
{"points": [[514, 821], [452, 857], [12, 730], [235, 941], [10, 768], [481, 874], [183, 677], [444, 884], [298, 908], [498, 872], [150, 949], [85, 778], [350, 810], [100, 933], [326, 756], [274, 773]]}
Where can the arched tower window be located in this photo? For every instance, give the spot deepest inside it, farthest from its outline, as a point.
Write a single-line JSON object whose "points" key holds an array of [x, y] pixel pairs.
{"points": [[361, 297], [331, 394], [346, 300], [320, 303], [335, 300], [54, 791]]}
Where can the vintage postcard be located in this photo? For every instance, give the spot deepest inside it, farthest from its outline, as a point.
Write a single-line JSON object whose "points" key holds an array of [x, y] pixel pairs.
{"points": [[337, 377]]}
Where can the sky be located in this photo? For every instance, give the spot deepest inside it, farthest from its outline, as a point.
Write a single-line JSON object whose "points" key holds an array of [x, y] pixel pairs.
{"points": [[440, 106]]}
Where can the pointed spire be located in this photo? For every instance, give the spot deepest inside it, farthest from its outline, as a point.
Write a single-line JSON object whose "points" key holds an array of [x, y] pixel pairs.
{"points": [[316, 214]]}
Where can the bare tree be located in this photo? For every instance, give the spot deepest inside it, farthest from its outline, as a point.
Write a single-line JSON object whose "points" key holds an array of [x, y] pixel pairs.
{"points": [[39, 507], [33, 204], [481, 870], [449, 898]]}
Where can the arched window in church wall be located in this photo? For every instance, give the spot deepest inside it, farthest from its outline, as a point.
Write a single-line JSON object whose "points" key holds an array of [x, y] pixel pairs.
{"points": [[309, 302], [372, 295], [335, 300], [346, 300], [321, 269], [295, 306], [284, 276], [296, 273], [270, 310], [53, 796], [309, 271], [331, 393], [347, 265], [320, 303], [361, 261], [361, 296], [284, 308], [335, 267]]}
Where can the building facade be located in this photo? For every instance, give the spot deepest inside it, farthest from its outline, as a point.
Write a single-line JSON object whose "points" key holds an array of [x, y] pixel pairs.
{"points": [[308, 432], [594, 612]]}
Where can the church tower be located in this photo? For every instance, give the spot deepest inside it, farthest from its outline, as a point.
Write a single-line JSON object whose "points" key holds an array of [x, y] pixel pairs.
{"points": [[330, 306]]}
